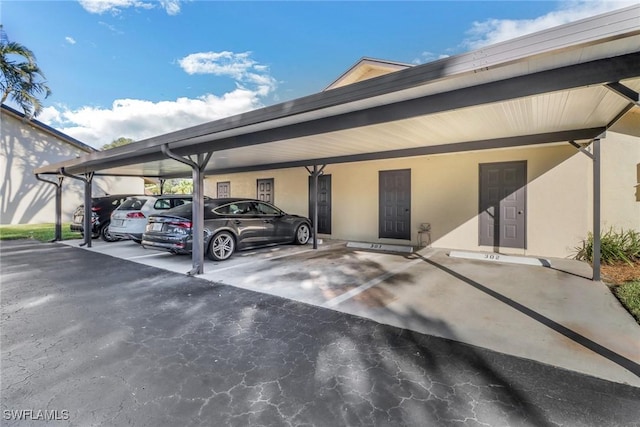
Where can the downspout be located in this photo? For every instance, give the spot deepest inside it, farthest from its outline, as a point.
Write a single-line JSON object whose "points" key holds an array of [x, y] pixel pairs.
{"points": [[87, 179], [197, 169], [58, 227]]}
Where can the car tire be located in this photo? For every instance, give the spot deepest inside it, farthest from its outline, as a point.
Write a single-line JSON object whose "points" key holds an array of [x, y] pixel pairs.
{"points": [[105, 235], [303, 234], [221, 246]]}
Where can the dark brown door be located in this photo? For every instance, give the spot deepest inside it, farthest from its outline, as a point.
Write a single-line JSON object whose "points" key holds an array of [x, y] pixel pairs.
{"points": [[265, 190], [324, 203], [395, 204], [502, 208]]}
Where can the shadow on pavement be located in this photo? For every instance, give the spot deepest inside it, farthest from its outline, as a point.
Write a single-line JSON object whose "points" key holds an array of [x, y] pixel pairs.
{"points": [[628, 364]]}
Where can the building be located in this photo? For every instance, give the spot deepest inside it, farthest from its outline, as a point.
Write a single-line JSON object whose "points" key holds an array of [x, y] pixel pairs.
{"points": [[521, 147], [29, 144]]}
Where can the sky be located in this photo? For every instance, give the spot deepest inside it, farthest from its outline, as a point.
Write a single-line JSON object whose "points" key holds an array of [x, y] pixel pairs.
{"points": [[141, 68]]}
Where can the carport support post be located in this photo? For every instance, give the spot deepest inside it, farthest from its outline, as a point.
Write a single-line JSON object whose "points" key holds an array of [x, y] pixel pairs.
{"points": [[596, 209], [594, 155], [314, 200], [58, 228], [197, 173], [87, 179]]}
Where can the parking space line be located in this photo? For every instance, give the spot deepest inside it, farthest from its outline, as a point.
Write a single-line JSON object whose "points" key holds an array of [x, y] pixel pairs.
{"points": [[254, 261], [371, 283], [149, 255]]}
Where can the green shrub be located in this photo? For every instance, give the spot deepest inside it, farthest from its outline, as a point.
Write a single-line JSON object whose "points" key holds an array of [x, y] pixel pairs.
{"points": [[615, 247]]}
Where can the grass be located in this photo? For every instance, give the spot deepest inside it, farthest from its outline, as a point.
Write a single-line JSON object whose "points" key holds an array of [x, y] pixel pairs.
{"points": [[41, 232], [629, 295]]}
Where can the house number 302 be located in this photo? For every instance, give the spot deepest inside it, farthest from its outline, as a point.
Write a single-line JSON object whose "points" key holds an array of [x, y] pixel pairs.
{"points": [[491, 256], [375, 246]]}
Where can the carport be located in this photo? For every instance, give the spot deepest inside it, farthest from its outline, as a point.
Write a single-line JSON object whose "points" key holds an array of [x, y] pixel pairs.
{"points": [[566, 85]]}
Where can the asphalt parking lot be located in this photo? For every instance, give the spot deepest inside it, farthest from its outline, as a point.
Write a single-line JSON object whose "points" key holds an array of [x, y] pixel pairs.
{"points": [[552, 315], [105, 341]]}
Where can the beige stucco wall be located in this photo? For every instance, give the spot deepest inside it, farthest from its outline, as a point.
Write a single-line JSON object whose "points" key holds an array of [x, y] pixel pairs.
{"points": [[620, 181], [445, 194], [24, 199], [291, 190]]}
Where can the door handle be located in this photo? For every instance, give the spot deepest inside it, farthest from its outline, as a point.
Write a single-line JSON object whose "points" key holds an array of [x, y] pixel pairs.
{"points": [[237, 222], [520, 212], [268, 220]]}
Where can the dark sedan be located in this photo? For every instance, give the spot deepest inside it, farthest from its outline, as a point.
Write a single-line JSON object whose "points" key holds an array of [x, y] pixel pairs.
{"points": [[229, 225]]}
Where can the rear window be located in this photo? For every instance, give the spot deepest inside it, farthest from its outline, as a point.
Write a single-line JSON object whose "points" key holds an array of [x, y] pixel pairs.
{"points": [[132, 204]]}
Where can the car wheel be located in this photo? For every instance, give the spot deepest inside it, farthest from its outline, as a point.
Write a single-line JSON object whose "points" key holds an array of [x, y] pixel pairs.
{"points": [[303, 234], [106, 236], [222, 246]]}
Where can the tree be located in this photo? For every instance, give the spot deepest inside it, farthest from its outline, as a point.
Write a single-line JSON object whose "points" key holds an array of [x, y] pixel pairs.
{"points": [[117, 143], [21, 79]]}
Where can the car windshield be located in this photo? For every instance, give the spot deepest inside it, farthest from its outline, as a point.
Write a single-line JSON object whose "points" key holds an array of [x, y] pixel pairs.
{"points": [[133, 204]]}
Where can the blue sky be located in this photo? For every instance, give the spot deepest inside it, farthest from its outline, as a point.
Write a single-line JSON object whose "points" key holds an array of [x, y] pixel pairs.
{"points": [[139, 68]]}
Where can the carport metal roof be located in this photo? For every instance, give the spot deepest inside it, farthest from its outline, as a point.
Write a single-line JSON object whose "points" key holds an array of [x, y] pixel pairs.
{"points": [[565, 84]]}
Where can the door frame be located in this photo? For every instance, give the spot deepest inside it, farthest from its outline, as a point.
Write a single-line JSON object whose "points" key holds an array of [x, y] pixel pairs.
{"points": [[525, 206], [380, 205], [273, 190]]}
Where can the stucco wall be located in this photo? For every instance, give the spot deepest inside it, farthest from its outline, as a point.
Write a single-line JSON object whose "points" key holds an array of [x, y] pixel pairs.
{"points": [[620, 181], [445, 192], [24, 199]]}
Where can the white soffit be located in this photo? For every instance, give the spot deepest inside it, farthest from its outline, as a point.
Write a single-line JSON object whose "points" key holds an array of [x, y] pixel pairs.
{"points": [[561, 111]]}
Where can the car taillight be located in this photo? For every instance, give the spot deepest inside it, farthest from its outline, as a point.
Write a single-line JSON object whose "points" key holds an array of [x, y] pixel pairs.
{"points": [[95, 208], [135, 215], [181, 224]]}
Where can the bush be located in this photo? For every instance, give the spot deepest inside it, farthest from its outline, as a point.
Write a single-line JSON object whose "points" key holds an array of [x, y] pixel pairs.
{"points": [[615, 247]]}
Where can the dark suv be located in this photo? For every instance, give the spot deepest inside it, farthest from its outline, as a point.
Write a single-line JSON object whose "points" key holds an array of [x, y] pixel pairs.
{"points": [[101, 208]]}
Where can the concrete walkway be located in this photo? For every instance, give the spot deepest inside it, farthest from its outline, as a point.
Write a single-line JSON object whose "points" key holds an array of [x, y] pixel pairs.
{"points": [[556, 315]]}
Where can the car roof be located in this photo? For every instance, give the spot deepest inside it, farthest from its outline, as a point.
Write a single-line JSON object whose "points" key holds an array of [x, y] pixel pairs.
{"points": [[224, 200], [116, 196]]}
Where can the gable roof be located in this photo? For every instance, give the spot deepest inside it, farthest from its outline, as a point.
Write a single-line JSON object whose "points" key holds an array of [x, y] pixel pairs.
{"points": [[48, 129], [365, 69]]}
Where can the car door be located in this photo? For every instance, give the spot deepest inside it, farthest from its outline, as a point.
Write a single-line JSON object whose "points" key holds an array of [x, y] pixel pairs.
{"points": [[274, 231], [246, 220]]}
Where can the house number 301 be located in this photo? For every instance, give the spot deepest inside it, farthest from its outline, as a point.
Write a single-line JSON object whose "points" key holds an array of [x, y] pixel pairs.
{"points": [[492, 257]]}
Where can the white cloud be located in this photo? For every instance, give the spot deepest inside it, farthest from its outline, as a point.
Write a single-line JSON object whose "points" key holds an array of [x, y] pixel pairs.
{"points": [[139, 119], [496, 30], [70, 40], [239, 66], [172, 7], [428, 57]]}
